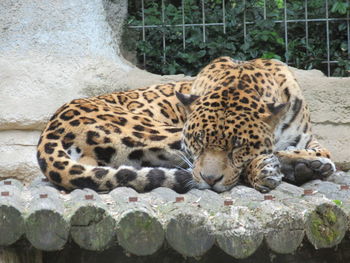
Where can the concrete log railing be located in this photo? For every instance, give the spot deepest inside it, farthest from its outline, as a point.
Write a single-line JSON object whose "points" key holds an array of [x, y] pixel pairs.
{"points": [[239, 222]]}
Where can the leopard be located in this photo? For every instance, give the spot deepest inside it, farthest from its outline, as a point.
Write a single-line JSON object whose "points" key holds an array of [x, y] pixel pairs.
{"points": [[235, 122]]}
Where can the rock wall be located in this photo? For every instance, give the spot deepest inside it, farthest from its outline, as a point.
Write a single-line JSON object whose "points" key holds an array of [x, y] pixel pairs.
{"points": [[329, 101], [52, 51]]}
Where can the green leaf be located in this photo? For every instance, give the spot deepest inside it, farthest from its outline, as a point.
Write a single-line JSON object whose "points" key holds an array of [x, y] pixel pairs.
{"points": [[280, 41], [340, 7], [344, 46], [201, 53], [245, 47], [338, 202], [264, 37], [270, 55]]}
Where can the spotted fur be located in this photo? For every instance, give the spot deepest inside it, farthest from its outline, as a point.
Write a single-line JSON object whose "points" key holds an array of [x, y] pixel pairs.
{"points": [[234, 120]]}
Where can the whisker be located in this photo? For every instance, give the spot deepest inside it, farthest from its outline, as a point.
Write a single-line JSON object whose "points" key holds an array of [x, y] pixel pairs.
{"points": [[190, 184], [184, 158], [181, 168]]}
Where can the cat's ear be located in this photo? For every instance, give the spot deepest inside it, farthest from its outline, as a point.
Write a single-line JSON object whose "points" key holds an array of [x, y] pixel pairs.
{"points": [[276, 112], [186, 100]]}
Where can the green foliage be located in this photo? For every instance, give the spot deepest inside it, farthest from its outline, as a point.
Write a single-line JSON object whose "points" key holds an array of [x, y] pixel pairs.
{"points": [[185, 50], [338, 202], [340, 7]]}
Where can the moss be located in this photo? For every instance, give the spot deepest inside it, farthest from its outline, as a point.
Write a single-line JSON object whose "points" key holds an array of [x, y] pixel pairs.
{"points": [[139, 233], [92, 228], [249, 248], [144, 224], [331, 217], [135, 223], [322, 226], [47, 230]]}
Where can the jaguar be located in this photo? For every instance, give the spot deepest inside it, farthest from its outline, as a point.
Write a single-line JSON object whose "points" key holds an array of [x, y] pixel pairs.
{"points": [[236, 121]]}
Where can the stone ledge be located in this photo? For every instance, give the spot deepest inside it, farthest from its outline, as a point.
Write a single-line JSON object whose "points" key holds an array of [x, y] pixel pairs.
{"points": [[35, 85], [336, 138], [327, 97], [18, 155]]}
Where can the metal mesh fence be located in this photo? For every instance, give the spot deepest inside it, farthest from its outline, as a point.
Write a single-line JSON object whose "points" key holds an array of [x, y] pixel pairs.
{"points": [[285, 22]]}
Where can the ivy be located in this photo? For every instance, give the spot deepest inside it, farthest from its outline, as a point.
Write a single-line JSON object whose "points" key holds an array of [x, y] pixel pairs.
{"points": [[340, 7], [264, 37]]}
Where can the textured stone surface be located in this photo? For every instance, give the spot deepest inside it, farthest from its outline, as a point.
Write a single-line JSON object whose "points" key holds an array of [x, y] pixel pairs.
{"points": [[75, 53], [63, 28], [18, 155], [329, 102], [328, 97], [336, 137], [45, 46], [32, 87]]}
